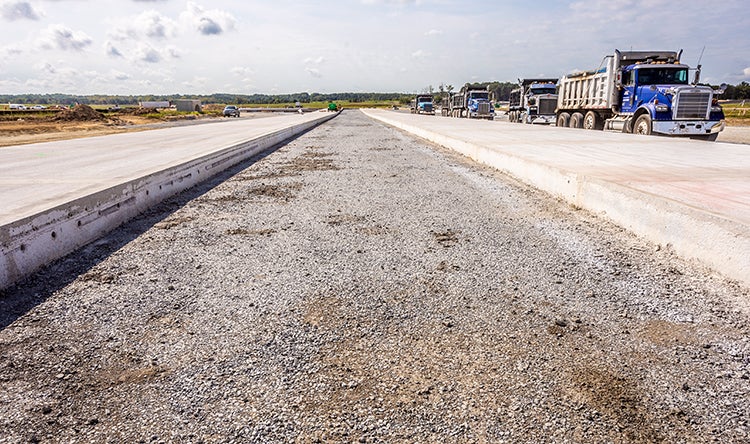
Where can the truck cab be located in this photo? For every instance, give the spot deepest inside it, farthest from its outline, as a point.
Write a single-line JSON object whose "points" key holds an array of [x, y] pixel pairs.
{"points": [[422, 104], [478, 105], [661, 100], [533, 102]]}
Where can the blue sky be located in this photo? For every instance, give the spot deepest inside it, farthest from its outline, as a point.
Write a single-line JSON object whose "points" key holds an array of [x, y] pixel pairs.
{"points": [[281, 46]]}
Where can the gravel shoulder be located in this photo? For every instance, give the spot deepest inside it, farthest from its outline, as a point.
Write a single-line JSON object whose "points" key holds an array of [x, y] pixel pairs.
{"points": [[360, 285]]}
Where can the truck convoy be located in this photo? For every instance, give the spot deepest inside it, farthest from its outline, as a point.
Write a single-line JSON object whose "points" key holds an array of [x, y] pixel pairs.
{"points": [[471, 103], [534, 101], [642, 92], [422, 104]]}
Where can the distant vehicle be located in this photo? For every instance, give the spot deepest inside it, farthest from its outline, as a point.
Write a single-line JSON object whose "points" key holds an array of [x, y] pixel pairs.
{"points": [[39, 107], [641, 92], [534, 101], [471, 103], [422, 104], [231, 111], [114, 108], [16, 106]]}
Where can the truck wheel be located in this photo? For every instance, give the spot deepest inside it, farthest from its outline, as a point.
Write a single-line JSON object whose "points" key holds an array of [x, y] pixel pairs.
{"points": [[642, 125], [563, 120], [576, 120], [592, 121]]}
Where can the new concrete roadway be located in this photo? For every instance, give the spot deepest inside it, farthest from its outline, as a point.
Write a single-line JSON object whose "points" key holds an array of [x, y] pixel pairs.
{"points": [[59, 196], [693, 196]]}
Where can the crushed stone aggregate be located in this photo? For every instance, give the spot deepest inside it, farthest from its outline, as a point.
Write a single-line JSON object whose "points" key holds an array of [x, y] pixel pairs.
{"points": [[357, 284]]}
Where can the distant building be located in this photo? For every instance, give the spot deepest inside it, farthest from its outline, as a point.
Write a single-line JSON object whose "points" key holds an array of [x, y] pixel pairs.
{"points": [[154, 105], [188, 105]]}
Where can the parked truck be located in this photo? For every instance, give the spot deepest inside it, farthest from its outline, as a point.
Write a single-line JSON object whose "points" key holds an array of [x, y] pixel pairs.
{"points": [[534, 101], [471, 103], [642, 92], [422, 104]]}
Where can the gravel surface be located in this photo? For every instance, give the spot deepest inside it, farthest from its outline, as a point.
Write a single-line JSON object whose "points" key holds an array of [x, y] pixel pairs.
{"points": [[360, 285]]}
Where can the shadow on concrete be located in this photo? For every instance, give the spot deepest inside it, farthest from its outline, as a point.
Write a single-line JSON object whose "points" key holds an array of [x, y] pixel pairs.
{"points": [[23, 296]]}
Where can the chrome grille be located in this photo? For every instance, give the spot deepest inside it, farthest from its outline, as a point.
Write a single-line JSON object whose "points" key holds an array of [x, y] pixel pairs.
{"points": [[547, 105], [692, 105], [483, 108]]}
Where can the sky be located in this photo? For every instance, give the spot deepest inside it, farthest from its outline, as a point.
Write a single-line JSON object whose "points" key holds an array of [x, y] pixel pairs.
{"points": [[136, 47]]}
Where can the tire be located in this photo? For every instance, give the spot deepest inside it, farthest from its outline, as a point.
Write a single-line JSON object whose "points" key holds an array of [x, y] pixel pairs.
{"points": [[626, 128], [642, 125], [563, 120], [576, 120], [592, 121]]}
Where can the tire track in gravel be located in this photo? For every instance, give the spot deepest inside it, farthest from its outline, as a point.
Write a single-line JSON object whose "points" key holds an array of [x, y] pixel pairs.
{"points": [[360, 285]]}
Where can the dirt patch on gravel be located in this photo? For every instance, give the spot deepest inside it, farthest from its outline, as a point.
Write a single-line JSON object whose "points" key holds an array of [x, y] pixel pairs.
{"points": [[616, 397], [286, 191], [249, 232]]}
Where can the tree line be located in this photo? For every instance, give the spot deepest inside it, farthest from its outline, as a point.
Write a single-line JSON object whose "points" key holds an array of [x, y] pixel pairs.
{"points": [[500, 92], [223, 98]]}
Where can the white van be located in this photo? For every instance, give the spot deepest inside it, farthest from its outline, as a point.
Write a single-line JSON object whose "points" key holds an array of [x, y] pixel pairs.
{"points": [[16, 106]]}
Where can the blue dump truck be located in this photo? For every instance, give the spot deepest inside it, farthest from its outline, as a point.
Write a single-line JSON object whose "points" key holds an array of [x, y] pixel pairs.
{"points": [[471, 103], [534, 101], [642, 92], [422, 104]]}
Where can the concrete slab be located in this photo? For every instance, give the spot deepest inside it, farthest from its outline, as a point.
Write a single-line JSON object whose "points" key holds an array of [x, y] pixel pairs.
{"points": [[58, 196], [691, 195]]}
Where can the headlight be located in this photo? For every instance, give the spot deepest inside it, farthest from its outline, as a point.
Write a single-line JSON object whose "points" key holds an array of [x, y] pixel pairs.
{"points": [[661, 108]]}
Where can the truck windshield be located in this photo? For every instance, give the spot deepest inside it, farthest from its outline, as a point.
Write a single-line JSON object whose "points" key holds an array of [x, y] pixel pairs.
{"points": [[479, 95], [542, 90], [663, 76], [425, 100]]}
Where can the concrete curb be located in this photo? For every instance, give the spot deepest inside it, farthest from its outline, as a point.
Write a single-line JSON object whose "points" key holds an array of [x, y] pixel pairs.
{"points": [[35, 241], [720, 243]]}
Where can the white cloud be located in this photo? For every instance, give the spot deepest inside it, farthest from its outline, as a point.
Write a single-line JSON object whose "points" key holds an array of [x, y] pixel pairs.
{"points": [[207, 22], [19, 10], [315, 61], [63, 38], [173, 52], [147, 53], [746, 71], [148, 24], [10, 51], [242, 71], [433, 32], [118, 75], [111, 50], [314, 72], [420, 54]]}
